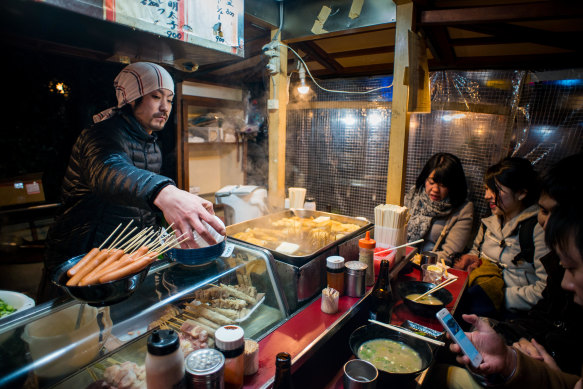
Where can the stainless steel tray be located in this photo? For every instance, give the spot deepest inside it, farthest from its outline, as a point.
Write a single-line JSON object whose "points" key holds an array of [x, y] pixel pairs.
{"points": [[299, 260]]}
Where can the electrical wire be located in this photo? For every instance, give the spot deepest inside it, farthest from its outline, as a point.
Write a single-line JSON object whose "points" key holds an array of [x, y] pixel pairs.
{"points": [[330, 90]]}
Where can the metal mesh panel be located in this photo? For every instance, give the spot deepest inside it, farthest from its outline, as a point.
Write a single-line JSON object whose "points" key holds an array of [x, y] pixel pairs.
{"points": [[340, 154]]}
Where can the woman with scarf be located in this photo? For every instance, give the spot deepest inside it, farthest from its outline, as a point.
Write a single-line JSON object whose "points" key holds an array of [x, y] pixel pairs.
{"points": [[440, 212]]}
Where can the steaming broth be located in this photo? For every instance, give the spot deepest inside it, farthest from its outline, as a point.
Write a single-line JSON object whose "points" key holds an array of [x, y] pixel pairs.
{"points": [[429, 299], [390, 356]]}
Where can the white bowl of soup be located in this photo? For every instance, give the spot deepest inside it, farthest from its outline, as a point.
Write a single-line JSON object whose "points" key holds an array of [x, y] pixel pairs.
{"points": [[428, 305], [396, 356]]}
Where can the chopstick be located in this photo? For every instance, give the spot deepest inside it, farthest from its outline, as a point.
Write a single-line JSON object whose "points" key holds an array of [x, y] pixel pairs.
{"points": [[398, 247], [443, 284], [407, 332]]}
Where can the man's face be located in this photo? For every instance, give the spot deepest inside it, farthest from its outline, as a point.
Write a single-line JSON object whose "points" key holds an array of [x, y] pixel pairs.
{"points": [[571, 260], [546, 205], [154, 109]]}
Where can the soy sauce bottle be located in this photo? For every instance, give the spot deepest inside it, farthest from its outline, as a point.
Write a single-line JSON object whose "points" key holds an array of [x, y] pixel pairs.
{"points": [[282, 371], [382, 296]]}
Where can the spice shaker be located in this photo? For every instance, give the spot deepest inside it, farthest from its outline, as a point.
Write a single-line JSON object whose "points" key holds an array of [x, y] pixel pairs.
{"points": [[205, 369], [366, 248], [164, 361], [335, 273], [231, 342], [355, 278]]}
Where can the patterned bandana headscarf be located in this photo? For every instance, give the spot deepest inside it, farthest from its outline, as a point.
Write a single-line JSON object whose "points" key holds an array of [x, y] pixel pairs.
{"points": [[134, 81]]}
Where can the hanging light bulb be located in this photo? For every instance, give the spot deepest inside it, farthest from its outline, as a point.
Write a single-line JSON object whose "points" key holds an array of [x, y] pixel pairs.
{"points": [[303, 88]]}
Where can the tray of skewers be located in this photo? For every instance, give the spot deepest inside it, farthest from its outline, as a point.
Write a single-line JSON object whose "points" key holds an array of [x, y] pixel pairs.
{"points": [[109, 274]]}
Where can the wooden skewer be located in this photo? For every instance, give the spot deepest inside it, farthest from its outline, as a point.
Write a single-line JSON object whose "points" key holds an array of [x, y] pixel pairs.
{"points": [[112, 245], [110, 235], [443, 284], [398, 247], [407, 332]]}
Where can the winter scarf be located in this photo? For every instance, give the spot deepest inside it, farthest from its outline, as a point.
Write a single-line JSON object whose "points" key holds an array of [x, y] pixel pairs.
{"points": [[423, 211]]}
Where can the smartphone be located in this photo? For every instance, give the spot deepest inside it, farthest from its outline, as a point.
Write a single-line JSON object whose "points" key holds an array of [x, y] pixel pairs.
{"points": [[459, 336]]}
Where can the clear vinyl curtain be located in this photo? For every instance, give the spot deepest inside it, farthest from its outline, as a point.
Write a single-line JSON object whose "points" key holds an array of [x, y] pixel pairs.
{"points": [[337, 144]]}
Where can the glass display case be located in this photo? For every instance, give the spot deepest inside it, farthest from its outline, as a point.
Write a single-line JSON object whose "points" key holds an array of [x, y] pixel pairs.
{"points": [[69, 344]]}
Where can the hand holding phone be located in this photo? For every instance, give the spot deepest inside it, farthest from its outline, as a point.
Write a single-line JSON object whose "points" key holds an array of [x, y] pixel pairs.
{"points": [[458, 335]]}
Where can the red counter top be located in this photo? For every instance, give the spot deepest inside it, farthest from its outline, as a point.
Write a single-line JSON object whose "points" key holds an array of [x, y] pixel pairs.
{"points": [[307, 327]]}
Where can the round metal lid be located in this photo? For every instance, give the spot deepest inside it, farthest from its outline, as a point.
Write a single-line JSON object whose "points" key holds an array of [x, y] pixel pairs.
{"points": [[205, 361]]}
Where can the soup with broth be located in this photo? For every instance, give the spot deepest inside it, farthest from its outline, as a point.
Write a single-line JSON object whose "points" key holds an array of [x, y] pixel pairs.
{"points": [[390, 356], [429, 299]]}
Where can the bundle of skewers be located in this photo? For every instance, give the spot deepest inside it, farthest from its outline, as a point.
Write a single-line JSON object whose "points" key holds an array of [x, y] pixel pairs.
{"points": [[128, 253]]}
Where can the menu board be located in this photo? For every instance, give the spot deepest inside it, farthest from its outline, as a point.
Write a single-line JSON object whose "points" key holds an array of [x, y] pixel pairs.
{"points": [[216, 24]]}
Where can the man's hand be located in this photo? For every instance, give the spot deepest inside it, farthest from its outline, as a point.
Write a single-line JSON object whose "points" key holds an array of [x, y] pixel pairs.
{"points": [[467, 262], [185, 212], [535, 350], [497, 357]]}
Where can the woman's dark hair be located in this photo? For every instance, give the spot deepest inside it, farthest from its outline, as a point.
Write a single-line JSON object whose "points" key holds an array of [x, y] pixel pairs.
{"points": [[559, 182], [449, 173], [564, 224], [516, 174]]}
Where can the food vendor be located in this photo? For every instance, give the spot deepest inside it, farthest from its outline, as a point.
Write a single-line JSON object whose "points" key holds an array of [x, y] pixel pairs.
{"points": [[113, 176], [440, 211]]}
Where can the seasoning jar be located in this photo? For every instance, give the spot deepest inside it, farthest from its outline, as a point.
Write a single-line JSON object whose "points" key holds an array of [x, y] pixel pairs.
{"points": [[355, 278], [205, 369], [231, 342], [335, 273], [164, 361], [310, 204], [366, 248]]}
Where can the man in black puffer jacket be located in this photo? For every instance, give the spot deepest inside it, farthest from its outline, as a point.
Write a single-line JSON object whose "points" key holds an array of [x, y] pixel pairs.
{"points": [[114, 177]]}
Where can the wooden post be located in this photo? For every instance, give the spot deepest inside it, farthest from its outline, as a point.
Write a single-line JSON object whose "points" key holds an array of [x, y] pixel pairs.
{"points": [[278, 94], [399, 137]]}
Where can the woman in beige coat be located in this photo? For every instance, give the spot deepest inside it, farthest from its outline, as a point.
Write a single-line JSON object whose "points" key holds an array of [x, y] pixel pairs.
{"points": [[440, 212]]}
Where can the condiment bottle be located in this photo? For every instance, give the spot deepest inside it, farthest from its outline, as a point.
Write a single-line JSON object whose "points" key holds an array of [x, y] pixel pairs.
{"points": [[204, 369], [282, 372], [230, 340], [355, 276], [366, 254], [382, 296], [164, 361], [335, 273], [310, 204]]}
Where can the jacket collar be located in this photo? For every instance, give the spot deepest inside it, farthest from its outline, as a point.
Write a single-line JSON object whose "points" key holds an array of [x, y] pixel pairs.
{"points": [[493, 222], [136, 130]]}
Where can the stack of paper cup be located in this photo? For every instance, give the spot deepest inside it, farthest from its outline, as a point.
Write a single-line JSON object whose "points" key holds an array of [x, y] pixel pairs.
{"points": [[296, 197]]}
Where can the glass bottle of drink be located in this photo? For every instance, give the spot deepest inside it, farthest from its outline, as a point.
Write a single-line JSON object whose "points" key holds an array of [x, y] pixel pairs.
{"points": [[381, 306], [282, 372]]}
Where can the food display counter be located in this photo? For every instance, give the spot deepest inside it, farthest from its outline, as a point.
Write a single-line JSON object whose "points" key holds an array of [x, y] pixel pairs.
{"points": [[69, 344]]}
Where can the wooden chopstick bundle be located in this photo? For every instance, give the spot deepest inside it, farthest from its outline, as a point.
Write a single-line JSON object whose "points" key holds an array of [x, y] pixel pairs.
{"points": [[407, 332]]}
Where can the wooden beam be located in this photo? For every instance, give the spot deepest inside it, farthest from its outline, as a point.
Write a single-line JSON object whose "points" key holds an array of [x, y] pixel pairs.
{"points": [[530, 62], [561, 40], [502, 13], [399, 137], [362, 52], [316, 53], [438, 41], [277, 131]]}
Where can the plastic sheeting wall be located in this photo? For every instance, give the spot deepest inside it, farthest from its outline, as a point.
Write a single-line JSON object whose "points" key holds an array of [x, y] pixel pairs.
{"points": [[341, 154]]}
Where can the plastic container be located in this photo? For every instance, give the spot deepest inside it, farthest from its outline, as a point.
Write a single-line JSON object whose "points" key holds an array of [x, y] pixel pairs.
{"points": [[205, 369], [366, 248], [335, 273], [310, 204], [218, 237], [164, 361], [230, 340], [355, 278]]}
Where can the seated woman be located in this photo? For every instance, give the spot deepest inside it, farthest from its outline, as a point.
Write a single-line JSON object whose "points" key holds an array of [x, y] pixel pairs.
{"points": [[512, 190], [440, 213]]}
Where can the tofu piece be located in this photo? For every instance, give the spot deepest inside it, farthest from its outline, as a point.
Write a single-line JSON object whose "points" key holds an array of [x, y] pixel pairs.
{"points": [[287, 248]]}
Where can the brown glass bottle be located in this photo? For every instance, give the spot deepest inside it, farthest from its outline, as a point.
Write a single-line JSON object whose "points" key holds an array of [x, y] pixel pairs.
{"points": [[381, 306], [282, 372]]}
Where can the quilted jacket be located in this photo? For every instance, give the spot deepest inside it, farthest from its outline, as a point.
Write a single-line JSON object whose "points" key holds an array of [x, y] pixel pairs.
{"points": [[112, 178]]}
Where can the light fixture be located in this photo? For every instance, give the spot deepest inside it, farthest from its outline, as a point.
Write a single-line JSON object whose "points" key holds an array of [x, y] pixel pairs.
{"points": [[303, 88]]}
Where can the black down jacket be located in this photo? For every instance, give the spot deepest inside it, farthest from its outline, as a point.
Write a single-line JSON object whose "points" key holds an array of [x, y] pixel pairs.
{"points": [[112, 178]]}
